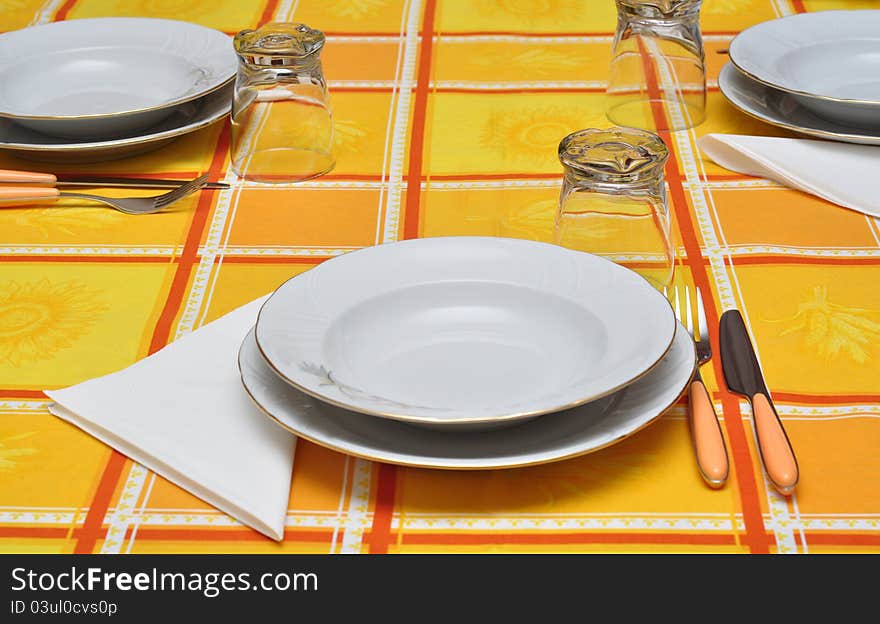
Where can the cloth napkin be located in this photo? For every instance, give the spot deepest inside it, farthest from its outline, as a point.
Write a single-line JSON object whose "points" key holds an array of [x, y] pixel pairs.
{"points": [[843, 173], [182, 413]]}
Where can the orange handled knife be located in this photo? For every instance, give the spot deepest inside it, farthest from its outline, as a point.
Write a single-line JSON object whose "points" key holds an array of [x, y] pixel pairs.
{"points": [[20, 179], [742, 374]]}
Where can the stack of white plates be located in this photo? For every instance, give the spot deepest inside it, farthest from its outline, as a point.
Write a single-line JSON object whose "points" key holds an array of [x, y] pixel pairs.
{"points": [[814, 73], [96, 89], [467, 353]]}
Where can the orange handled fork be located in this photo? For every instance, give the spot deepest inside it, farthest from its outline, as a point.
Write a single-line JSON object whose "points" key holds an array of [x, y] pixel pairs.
{"points": [[708, 441]]}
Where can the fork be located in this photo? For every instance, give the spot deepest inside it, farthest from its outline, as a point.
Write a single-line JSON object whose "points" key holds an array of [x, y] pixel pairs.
{"points": [[128, 205], [708, 441]]}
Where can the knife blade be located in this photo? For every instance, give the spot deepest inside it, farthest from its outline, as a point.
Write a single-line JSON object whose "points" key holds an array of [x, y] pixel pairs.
{"points": [[8, 176], [133, 183], [743, 376]]}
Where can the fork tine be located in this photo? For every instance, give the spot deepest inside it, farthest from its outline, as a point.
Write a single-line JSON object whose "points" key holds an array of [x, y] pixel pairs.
{"points": [[701, 316], [173, 196], [689, 304], [189, 187], [181, 191], [678, 306]]}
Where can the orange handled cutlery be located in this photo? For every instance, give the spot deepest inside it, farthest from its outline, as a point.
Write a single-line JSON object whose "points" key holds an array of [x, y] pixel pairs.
{"points": [[36, 185]]}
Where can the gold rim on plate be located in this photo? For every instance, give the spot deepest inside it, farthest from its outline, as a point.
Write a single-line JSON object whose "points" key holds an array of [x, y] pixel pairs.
{"points": [[136, 111], [789, 90], [860, 138], [110, 144], [827, 98]]}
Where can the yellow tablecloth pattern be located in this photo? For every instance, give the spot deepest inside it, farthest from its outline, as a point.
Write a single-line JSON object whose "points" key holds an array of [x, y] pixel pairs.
{"points": [[448, 134]]}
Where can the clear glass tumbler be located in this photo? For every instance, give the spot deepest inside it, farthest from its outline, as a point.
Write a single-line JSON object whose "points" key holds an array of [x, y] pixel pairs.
{"points": [[657, 77], [613, 200], [282, 124]]}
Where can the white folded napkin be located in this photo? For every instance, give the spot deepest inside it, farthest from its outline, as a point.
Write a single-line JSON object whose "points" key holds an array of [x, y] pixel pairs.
{"points": [[843, 173], [182, 412]]}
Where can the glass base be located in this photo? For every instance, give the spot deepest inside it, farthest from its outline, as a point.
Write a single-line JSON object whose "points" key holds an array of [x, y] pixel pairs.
{"points": [[283, 165], [656, 114]]}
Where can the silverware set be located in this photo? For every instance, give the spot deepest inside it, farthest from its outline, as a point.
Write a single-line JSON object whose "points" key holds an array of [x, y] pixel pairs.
{"points": [[743, 376], [28, 187], [37, 178]]}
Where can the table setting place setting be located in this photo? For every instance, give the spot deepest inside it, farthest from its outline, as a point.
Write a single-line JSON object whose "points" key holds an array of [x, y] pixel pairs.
{"points": [[446, 353]]}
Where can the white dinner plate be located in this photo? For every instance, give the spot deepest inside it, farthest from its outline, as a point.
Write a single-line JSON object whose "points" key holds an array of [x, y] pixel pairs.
{"points": [[781, 109], [829, 61], [104, 77], [189, 117], [553, 437], [457, 331]]}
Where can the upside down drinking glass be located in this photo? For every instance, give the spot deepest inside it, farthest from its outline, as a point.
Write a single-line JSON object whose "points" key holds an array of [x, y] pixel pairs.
{"points": [[613, 200], [282, 126], [657, 76]]}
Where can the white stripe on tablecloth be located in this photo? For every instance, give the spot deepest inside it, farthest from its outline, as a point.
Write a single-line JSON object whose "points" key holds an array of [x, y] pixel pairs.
{"points": [[401, 122]]}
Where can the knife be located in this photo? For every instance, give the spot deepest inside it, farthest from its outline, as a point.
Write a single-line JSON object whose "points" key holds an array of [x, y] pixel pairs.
{"points": [[9, 176], [743, 376]]}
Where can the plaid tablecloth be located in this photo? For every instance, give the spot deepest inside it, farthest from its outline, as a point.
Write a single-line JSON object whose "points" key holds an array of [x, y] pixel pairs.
{"points": [[448, 113]]}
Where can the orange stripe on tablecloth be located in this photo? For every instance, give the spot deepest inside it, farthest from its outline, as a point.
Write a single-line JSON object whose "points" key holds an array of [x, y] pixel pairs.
{"points": [[475, 33], [268, 12], [480, 177], [417, 134], [491, 33], [61, 14], [557, 89], [370, 177], [91, 529], [795, 259], [504, 537], [474, 89], [113, 470], [22, 394], [798, 6], [380, 531], [843, 539], [81, 258], [190, 249], [322, 536], [365, 33], [346, 89], [645, 264], [519, 33], [34, 531], [756, 537]]}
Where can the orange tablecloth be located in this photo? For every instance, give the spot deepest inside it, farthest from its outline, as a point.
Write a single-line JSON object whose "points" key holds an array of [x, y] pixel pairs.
{"points": [[453, 133]]}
